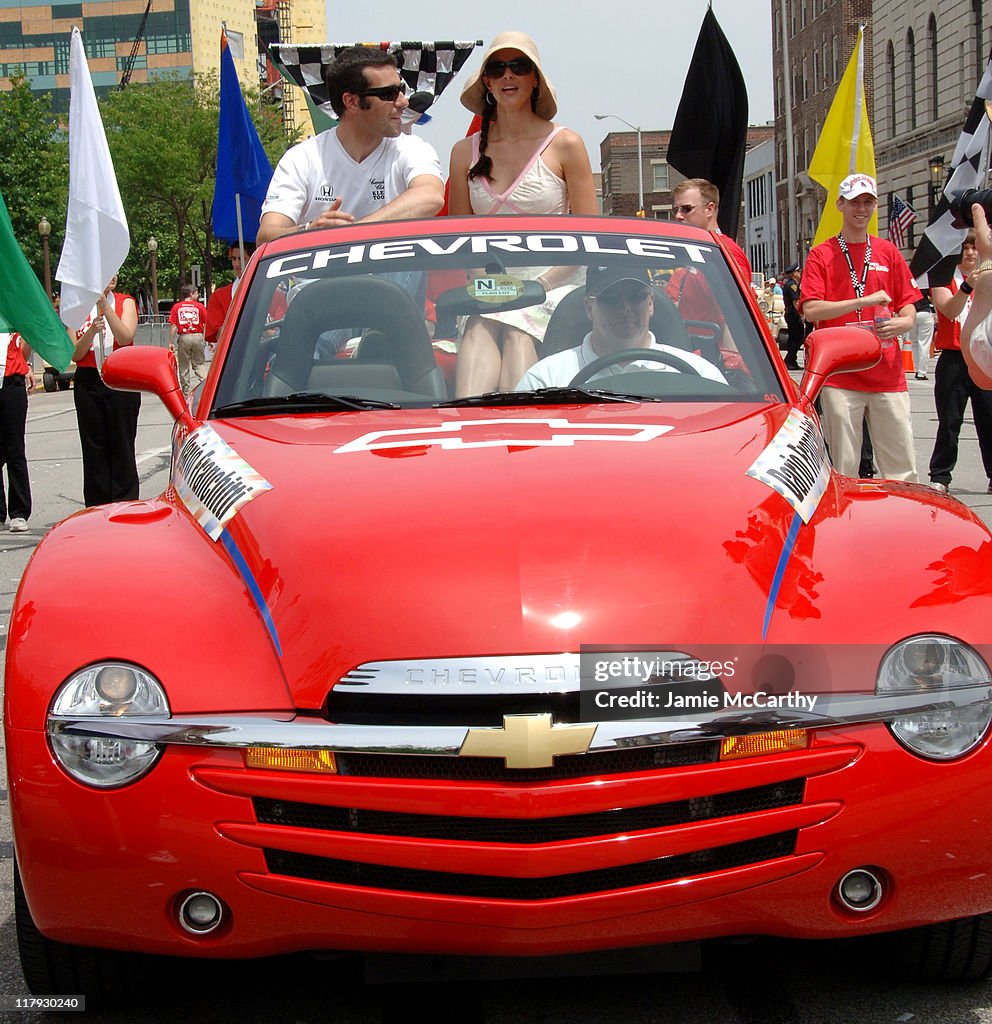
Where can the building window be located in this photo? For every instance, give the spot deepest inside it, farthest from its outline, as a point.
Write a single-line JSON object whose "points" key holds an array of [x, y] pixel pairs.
{"points": [[932, 51], [805, 79], [660, 172], [911, 76]]}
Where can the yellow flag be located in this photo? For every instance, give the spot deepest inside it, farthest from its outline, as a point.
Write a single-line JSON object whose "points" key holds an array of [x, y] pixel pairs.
{"points": [[845, 145]]}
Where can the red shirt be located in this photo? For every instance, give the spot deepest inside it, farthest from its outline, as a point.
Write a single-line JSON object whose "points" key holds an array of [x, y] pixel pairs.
{"points": [[827, 276], [188, 317], [90, 358], [16, 363], [739, 258], [948, 332], [217, 306]]}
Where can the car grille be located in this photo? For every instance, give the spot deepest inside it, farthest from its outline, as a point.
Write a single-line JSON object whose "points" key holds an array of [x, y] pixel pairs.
{"points": [[661, 869], [523, 830], [569, 766]]}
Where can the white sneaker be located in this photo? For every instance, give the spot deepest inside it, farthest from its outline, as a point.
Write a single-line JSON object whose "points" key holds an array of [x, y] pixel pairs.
{"points": [[18, 526]]}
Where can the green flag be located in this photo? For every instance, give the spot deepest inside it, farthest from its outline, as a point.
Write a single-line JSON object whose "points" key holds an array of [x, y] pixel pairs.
{"points": [[24, 306]]}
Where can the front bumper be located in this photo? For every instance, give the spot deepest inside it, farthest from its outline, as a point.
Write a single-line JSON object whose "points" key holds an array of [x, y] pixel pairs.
{"points": [[558, 862]]}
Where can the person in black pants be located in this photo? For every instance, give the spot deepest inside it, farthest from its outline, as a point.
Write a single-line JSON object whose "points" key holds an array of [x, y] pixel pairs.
{"points": [[793, 321], [953, 386], [107, 419], [18, 379]]}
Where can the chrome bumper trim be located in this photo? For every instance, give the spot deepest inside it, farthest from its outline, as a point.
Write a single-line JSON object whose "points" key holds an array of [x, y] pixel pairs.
{"points": [[240, 731]]}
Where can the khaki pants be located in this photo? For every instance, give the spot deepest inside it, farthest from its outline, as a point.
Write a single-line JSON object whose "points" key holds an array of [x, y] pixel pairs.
{"points": [[890, 425], [189, 353]]}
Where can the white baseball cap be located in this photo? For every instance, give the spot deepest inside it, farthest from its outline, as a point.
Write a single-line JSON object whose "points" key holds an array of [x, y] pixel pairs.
{"points": [[858, 185]]}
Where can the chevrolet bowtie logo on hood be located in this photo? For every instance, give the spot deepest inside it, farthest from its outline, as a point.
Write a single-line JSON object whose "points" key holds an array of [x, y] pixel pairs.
{"points": [[527, 741]]}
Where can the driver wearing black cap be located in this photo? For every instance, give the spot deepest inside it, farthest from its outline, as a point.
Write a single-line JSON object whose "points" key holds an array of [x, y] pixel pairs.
{"points": [[619, 303]]}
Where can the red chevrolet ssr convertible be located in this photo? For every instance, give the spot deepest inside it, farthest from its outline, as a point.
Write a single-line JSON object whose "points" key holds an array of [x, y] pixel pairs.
{"points": [[432, 648]]}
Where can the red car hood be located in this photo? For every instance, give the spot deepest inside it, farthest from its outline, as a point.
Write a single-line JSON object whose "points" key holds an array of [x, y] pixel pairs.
{"points": [[446, 533]]}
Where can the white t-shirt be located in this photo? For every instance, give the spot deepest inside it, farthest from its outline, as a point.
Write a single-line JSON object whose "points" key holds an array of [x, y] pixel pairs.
{"points": [[557, 371], [315, 172]]}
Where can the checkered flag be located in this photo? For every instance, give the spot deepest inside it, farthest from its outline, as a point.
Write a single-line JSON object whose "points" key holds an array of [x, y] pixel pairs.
{"points": [[426, 68], [901, 215], [940, 248]]}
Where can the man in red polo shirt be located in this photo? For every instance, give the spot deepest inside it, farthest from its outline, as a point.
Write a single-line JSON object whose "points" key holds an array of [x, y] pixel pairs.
{"points": [[220, 302], [186, 328], [862, 280]]}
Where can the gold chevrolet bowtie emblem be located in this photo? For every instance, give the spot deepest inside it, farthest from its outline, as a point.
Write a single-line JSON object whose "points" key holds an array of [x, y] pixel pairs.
{"points": [[527, 741]]}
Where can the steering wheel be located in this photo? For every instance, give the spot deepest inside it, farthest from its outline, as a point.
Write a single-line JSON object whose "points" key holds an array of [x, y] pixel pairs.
{"points": [[629, 355]]}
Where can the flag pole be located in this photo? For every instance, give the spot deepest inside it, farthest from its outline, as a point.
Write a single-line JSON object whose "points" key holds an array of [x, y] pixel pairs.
{"points": [[241, 231]]}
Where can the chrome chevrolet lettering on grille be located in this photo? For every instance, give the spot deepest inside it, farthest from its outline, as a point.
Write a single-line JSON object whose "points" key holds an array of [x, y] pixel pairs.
{"points": [[527, 741], [556, 673]]}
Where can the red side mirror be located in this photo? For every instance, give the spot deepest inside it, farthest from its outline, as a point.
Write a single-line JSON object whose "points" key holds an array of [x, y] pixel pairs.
{"points": [[837, 350], [144, 368]]}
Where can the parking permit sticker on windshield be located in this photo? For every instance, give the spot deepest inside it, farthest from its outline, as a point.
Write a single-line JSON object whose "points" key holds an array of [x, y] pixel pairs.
{"points": [[795, 464], [495, 289], [213, 481]]}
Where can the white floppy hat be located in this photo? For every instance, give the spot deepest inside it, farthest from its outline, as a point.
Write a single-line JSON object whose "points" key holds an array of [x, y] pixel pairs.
{"points": [[474, 93]]}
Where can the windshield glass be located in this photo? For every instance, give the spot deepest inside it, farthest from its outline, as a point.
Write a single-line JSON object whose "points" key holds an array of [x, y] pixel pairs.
{"points": [[494, 317]]}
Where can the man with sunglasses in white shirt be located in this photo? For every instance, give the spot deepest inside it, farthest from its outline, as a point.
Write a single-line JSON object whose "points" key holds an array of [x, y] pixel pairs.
{"points": [[619, 303], [365, 169]]}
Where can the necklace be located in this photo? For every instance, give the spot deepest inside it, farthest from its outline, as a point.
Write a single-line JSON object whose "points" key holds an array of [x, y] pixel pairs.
{"points": [[859, 286]]}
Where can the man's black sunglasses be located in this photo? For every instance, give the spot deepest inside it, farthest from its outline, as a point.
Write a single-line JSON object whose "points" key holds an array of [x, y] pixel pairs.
{"points": [[519, 66], [385, 92]]}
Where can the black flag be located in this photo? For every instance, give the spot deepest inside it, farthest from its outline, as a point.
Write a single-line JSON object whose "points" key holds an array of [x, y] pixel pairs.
{"points": [[709, 137]]}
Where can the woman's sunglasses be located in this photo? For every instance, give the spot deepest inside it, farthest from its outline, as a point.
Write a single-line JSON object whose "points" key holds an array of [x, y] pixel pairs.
{"points": [[518, 66]]}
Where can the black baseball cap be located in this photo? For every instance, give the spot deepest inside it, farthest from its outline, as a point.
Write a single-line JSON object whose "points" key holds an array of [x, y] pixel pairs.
{"points": [[598, 279]]}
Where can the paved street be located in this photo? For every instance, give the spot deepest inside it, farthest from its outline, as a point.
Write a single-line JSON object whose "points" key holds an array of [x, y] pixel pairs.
{"points": [[774, 983]]}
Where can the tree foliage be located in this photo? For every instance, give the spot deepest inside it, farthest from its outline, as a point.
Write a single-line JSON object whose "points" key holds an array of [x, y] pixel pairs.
{"points": [[34, 169], [163, 139]]}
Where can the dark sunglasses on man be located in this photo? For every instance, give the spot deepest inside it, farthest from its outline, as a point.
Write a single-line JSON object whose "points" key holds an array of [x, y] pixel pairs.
{"points": [[389, 93], [518, 66]]}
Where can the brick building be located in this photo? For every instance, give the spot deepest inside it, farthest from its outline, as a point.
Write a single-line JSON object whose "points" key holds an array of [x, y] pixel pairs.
{"points": [[621, 181]]}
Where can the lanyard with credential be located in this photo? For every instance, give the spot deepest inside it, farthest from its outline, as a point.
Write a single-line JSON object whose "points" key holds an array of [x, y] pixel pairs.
{"points": [[859, 286]]}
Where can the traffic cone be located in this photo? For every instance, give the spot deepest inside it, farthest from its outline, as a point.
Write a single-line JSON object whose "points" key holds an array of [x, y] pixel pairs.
{"points": [[907, 355]]}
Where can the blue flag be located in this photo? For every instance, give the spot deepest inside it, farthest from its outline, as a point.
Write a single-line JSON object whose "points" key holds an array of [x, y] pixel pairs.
{"points": [[243, 169]]}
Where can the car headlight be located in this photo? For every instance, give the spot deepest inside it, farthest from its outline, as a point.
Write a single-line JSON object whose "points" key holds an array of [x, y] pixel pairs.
{"points": [[945, 669], [109, 690]]}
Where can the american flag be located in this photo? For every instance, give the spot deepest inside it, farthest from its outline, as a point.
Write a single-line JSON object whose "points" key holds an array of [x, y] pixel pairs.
{"points": [[901, 215]]}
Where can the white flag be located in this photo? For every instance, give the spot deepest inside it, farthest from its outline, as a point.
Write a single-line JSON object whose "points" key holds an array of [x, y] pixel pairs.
{"points": [[97, 239]]}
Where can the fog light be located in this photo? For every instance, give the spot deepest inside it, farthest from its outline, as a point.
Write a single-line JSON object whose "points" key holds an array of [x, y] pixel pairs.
{"points": [[201, 912], [860, 890]]}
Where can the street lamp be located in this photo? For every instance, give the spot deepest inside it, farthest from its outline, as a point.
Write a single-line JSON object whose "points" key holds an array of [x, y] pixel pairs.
{"points": [[45, 229], [152, 249], [640, 164], [936, 166]]}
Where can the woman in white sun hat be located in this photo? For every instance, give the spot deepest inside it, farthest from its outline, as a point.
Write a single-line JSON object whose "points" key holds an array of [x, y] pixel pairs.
{"points": [[519, 162]]}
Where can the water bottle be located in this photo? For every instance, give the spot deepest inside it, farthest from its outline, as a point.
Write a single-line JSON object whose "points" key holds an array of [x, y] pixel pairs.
{"points": [[883, 314]]}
